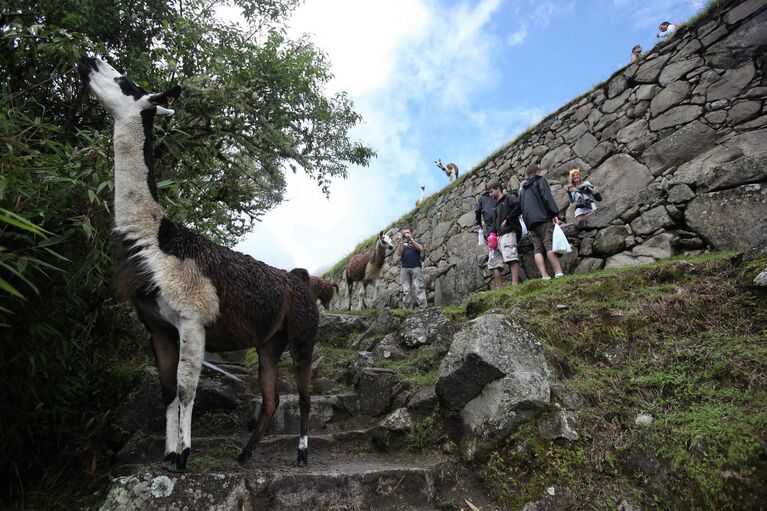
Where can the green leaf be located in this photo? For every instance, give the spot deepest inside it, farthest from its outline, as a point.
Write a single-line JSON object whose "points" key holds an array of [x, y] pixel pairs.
{"points": [[5, 286]]}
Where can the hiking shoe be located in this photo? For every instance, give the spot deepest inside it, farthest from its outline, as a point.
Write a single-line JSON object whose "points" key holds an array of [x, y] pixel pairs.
{"points": [[545, 278], [559, 275]]}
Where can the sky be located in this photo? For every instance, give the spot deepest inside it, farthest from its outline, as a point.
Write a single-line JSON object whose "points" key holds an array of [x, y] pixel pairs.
{"points": [[454, 80]]}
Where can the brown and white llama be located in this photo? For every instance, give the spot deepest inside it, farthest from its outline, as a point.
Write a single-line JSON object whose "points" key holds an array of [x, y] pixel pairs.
{"points": [[450, 170], [420, 199], [323, 290], [365, 268], [190, 293]]}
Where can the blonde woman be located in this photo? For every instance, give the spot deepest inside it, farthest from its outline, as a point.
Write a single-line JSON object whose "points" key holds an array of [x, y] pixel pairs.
{"points": [[582, 194]]}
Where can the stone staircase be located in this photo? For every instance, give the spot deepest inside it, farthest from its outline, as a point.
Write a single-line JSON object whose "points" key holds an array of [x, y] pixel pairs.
{"points": [[358, 457]]}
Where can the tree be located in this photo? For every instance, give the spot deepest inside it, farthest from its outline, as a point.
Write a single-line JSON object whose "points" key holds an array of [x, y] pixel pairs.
{"points": [[253, 107]]}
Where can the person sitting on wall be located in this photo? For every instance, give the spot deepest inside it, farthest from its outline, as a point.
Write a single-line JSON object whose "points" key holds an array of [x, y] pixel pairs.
{"points": [[667, 29], [583, 195], [636, 52]]}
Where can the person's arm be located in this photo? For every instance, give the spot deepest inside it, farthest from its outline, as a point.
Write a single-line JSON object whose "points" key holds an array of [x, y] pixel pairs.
{"points": [[417, 245], [478, 212], [514, 209], [548, 200]]}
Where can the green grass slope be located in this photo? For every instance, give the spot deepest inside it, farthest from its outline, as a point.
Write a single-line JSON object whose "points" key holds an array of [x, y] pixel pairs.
{"points": [[683, 341]]}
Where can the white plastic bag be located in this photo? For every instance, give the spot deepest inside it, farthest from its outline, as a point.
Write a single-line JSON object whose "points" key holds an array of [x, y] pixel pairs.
{"points": [[559, 243], [524, 227], [481, 238]]}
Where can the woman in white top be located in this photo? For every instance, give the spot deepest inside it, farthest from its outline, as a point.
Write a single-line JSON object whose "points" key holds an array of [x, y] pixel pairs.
{"points": [[666, 29]]}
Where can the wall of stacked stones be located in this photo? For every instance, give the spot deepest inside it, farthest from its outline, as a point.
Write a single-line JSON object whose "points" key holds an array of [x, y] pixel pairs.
{"points": [[676, 143]]}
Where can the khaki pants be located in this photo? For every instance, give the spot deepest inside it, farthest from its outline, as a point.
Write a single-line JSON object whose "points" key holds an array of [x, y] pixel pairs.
{"points": [[412, 281]]}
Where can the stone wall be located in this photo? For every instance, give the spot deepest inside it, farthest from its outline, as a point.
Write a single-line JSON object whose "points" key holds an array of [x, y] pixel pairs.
{"points": [[676, 143]]}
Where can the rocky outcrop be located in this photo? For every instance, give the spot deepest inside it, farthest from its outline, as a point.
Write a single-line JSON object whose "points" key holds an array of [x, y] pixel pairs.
{"points": [[495, 376], [676, 142]]}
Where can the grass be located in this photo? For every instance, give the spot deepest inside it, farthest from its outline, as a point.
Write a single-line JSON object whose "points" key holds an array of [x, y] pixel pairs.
{"points": [[687, 347]]}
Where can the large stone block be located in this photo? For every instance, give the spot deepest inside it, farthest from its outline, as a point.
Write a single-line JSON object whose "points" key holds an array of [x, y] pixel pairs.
{"points": [[620, 175], [733, 219], [610, 240], [675, 116], [652, 220], [669, 97], [731, 83], [747, 169], [460, 281], [496, 374], [676, 70], [679, 147], [426, 327], [650, 69], [744, 43]]}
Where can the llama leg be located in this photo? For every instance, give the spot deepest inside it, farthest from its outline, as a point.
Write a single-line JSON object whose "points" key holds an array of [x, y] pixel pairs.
{"points": [[165, 347], [268, 362], [191, 353], [302, 363], [363, 292], [375, 293], [349, 288]]}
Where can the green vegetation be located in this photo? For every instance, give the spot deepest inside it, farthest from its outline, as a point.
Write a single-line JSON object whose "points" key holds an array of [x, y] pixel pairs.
{"points": [[685, 344], [252, 105]]}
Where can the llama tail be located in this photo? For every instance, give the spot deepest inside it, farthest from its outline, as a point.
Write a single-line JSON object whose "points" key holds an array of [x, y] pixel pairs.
{"points": [[300, 273]]}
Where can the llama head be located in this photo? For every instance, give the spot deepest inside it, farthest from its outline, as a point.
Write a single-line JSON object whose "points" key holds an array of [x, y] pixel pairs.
{"points": [[121, 97], [385, 240]]}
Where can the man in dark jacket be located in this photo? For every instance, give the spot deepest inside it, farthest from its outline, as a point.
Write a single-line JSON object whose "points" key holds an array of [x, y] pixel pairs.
{"points": [[540, 213], [485, 210], [507, 228]]}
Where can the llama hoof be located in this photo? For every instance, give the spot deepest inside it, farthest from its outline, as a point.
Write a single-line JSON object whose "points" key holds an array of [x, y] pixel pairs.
{"points": [[243, 458], [182, 458], [303, 457], [170, 463]]}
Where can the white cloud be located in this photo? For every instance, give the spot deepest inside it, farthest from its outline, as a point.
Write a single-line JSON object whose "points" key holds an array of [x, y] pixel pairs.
{"points": [[518, 37], [403, 62]]}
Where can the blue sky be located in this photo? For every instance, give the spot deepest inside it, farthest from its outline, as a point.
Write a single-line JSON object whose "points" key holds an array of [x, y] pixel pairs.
{"points": [[442, 79]]}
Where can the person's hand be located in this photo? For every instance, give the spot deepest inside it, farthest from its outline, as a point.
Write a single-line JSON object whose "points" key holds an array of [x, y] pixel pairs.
{"points": [[571, 189], [555, 220], [503, 224]]}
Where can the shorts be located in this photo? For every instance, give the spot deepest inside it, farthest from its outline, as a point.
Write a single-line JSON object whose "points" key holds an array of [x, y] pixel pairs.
{"points": [[541, 235], [505, 253]]}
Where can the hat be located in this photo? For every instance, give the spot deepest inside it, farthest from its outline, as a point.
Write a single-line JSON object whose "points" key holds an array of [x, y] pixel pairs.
{"points": [[492, 240]]}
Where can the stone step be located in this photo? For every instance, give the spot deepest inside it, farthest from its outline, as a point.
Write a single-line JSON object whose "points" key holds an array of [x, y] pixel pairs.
{"points": [[332, 481], [329, 413], [144, 448]]}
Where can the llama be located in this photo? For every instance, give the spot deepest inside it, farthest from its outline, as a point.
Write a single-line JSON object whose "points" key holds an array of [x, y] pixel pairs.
{"points": [[450, 170], [366, 268], [190, 293], [422, 197], [323, 290]]}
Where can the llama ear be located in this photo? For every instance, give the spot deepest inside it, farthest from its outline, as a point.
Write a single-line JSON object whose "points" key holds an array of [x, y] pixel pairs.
{"points": [[166, 98], [164, 112]]}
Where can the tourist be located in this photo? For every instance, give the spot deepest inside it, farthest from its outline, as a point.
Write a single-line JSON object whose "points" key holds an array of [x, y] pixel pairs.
{"points": [[583, 195], [636, 52], [508, 230], [667, 29], [541, 214], [410, 252]]}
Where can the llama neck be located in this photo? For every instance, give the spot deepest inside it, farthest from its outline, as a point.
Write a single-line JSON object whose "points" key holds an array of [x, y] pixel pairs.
{"points": [[137, 211], [379, 255]]}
